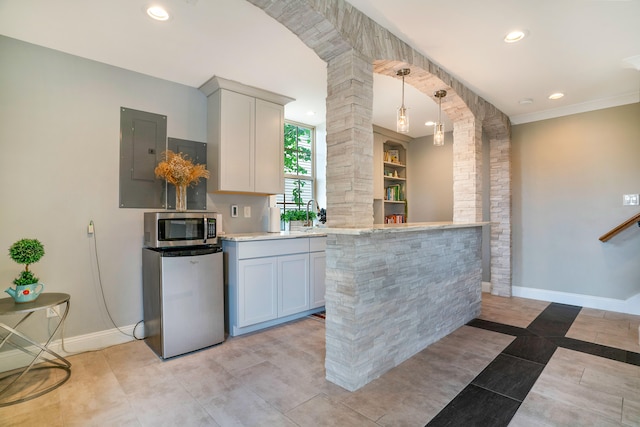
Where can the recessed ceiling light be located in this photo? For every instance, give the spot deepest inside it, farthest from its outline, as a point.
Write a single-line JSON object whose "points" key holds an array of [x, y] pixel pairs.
{"points": [[515, 36], [430, 123], [158, 13], [311, 113], [556, 95], [526, 101]]}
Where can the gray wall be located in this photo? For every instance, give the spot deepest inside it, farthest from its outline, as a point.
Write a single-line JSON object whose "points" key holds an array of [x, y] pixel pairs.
{"points": [[430, 180], [430, 187], [569, 175], [60, 118]]}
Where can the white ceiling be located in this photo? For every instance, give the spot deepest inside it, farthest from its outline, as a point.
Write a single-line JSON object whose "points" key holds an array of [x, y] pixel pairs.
{"points": [[574, 46]]}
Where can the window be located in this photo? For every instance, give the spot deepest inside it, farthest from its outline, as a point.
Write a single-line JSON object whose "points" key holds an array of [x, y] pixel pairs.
{"points": [[298, 167]]}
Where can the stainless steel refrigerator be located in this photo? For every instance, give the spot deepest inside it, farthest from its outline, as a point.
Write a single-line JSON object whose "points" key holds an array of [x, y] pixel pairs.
{"points": [[183, 299]]}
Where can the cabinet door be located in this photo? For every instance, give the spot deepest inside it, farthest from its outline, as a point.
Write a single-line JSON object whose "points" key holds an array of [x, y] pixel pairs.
{"points": [[318, 262], [257, 290], [269, 152], [293, 284], [237, 142]]}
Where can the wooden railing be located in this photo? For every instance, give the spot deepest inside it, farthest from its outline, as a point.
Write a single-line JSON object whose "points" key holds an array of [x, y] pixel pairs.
{"points": [[619, 228]]}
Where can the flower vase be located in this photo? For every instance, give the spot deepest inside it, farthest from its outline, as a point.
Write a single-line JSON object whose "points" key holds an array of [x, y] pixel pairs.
{"points": [[181, 198]]}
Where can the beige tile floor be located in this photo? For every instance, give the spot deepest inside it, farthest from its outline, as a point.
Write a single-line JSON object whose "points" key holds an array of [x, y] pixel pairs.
{"points": [[276, 378]]}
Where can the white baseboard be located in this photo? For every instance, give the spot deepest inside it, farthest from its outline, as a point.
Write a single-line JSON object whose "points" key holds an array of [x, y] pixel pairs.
{"points": [[79, 344], [486, 286], [630, 305]]}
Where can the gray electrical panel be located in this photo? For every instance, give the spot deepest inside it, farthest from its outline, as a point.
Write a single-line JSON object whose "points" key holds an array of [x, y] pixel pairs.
{"points": [[143, 138], [196, 194]]}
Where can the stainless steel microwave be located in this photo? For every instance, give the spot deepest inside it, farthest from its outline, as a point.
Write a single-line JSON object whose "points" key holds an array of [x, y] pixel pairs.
{"points": [[173, 229]]}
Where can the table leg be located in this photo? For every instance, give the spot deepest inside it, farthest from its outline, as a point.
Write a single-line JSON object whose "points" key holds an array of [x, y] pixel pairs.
{"points": [[58, 361]]}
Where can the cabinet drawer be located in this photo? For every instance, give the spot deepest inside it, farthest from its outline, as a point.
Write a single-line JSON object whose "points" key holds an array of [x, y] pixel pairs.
{"points": [[317, 244], [264, 248]]}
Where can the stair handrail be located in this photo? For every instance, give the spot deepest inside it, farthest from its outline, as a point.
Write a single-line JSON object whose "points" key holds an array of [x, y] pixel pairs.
{"points": [[619, 228]]}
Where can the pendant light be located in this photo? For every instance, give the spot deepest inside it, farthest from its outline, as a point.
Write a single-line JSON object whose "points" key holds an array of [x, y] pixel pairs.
{"points": [[438, 128], [402, 125]]}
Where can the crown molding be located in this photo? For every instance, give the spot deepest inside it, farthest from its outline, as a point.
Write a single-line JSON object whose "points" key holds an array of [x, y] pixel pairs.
{"points": [[599, 104]]}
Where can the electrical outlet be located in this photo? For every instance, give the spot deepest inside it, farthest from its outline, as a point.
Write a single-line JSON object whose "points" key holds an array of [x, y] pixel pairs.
{"points": [[90, 228], [630, 200], [247, 211], [51, 312]]}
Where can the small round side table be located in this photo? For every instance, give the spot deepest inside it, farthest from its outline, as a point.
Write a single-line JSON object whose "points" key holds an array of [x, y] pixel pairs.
{"points": [[9, 307]]}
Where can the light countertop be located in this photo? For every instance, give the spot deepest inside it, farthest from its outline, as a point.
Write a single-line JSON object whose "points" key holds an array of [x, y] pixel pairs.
{"points": [[408, 227], [377, 228], [263, 235]]}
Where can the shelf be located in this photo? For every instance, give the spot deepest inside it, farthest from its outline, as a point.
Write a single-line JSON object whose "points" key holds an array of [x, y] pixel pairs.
{"points": [[391, 180], [395, 165]]}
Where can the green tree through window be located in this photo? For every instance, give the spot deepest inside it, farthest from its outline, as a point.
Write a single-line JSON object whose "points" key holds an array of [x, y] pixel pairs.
{"points": [[298, 167]]}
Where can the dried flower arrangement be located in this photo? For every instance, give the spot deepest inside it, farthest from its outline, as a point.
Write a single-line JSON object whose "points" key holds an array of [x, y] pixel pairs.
{"points": [[180, 171]]}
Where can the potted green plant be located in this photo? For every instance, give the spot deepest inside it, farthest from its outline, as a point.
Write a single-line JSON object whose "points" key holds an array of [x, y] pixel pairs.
{"points": [[297, 218], [27, 252]]}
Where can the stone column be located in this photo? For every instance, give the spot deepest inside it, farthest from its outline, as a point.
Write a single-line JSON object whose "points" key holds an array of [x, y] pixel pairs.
{"points": [[467, 170], [349, 141], [500, 199]]}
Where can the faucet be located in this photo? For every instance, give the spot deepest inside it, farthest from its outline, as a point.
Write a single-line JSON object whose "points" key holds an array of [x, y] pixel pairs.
{"points": [[308, 223]]}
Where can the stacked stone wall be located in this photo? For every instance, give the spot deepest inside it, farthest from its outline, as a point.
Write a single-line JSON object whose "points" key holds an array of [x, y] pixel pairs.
{"points": [[350, 141], [390, 295], [500, 200]]}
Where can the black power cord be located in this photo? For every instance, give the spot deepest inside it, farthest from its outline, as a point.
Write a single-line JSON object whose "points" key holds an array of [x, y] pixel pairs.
{"points": [[104, 300]]}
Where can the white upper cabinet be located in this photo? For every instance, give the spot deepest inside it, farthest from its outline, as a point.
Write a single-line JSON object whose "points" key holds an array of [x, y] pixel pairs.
{"points": [[235, 130], [245, 133], [269, 148]]}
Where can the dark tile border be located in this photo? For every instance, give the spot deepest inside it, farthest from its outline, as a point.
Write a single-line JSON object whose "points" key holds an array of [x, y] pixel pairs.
{"points": [[494, 396], [509, 376], [499, 327], [476, 406]]}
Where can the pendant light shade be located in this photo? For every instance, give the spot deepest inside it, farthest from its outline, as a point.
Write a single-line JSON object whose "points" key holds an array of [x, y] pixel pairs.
{"points": [[438, 135], [438, 128], [402, 124]]}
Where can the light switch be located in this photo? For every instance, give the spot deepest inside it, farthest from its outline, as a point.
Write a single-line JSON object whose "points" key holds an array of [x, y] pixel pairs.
{"points": [[234, 211], [247, 211]]}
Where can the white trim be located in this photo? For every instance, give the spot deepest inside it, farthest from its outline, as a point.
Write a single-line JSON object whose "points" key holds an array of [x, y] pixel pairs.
{"points": [[630, 305], [79, 344], [614, 101], [216, 83], [486, 286]]}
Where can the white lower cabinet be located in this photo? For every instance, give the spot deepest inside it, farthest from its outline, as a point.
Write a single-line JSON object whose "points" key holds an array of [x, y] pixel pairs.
{"points": [[293, 284], [273, 281], [317, 262], [257, 290]]}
